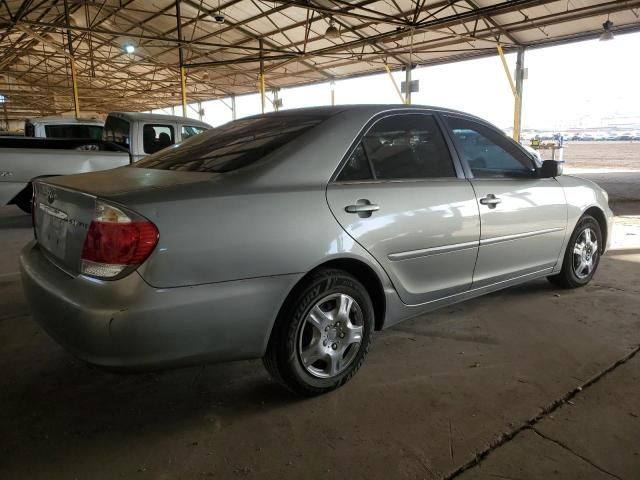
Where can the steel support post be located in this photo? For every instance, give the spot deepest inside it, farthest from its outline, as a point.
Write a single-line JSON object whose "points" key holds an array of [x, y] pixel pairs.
{"points": [[407, 81], [517, 111], [517, 92], [233, 107], [183, 74], [395, 84], [74, 73], [261, 85]]}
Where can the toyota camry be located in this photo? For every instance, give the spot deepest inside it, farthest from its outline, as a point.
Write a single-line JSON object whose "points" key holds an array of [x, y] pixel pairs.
{"points": [[293, 236]]}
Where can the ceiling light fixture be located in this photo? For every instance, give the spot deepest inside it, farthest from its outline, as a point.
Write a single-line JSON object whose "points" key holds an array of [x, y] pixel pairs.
{"points": [[129, 48], [332, 31], [607, 34]]}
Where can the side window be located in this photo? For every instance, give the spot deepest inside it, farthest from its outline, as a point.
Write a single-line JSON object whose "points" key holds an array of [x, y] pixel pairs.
{"points": [[157, 137], [189, 131], [116, 130], [488, 153], [357, 167], [408, 146]]}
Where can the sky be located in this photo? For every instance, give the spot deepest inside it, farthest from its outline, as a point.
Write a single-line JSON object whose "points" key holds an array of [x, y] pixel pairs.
{"points": [[586, 84]]}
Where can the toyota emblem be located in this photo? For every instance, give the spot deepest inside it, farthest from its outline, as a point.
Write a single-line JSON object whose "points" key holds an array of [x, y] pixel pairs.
{"points": [[51, 196]]}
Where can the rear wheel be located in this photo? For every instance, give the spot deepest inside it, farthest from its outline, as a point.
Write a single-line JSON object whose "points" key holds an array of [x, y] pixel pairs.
{"points": [[582, 256], [23, 199], [322, 335]]}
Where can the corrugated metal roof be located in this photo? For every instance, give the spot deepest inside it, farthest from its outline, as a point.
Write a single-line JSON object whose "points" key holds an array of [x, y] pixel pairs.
{"points": [[224, 58]]}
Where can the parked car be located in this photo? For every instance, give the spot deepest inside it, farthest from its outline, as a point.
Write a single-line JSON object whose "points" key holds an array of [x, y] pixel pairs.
{"points": [[63, 127], [613, 136], [126, 138], [292, 236]]}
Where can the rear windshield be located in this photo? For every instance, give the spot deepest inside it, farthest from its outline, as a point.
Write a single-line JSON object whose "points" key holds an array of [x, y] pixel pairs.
{"points": [[232, 146]]}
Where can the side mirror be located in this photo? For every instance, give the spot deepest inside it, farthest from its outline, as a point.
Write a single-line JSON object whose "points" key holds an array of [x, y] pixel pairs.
{"points": [[550, 169]]}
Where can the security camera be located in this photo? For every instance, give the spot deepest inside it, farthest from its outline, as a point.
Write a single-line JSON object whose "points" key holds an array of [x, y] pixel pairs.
{"points": [[219, 18]]}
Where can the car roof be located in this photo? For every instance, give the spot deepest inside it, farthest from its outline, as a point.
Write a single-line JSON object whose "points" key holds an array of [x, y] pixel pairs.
{"points": [[141, 116], [54, 120], [367, 109]]}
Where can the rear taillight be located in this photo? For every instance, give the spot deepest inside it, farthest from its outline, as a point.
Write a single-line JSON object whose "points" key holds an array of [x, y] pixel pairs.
{"points": [[116, 242]]}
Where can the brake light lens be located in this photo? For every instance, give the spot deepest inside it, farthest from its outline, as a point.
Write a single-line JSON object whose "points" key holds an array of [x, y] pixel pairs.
{"points": [[116, 242]]}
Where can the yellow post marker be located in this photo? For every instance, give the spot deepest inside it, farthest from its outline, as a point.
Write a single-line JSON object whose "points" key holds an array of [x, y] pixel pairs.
{"points": [[395, 85], [183, 90], [74, 81], [516, 97]]}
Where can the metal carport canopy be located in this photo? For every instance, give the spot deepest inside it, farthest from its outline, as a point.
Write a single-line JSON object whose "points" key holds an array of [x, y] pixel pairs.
{"points": [[43, 40]]}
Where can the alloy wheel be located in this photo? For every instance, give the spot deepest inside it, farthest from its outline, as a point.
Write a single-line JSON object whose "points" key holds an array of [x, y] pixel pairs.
{"points": [[330, 336], [585, 253]]}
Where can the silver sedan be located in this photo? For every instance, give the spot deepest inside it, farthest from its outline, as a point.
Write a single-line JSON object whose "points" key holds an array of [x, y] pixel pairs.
{"points": [[292, 236]]}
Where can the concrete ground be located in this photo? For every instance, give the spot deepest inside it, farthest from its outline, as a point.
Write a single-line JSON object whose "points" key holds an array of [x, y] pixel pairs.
{"points": [[527, 383]]}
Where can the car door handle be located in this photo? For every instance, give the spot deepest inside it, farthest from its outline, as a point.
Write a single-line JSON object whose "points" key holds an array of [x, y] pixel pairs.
{"points": [[491, 200], [362, 208]]}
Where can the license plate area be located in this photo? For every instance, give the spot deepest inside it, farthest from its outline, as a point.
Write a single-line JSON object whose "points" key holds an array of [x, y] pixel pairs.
{"points": [[52, 231]]}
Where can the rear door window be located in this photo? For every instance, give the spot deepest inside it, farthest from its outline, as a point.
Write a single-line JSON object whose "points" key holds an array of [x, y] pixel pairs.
{"points": [[234, 145], [357, 167], [157, 137], [405, 146]]}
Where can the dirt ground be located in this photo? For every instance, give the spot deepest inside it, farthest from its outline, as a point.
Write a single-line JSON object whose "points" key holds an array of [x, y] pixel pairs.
{"points": [[527, 383], [599, 155]]}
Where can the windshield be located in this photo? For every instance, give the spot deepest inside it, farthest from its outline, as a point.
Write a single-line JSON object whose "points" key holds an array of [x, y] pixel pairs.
{"points": [[234, 145], [93, 132]]}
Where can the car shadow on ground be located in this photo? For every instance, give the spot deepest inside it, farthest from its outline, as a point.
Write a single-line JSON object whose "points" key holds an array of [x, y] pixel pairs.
{"points": [[53, 404], [14, 219]]}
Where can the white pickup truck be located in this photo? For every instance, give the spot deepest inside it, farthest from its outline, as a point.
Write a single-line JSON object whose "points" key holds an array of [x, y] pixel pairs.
{"points": [[127, 137], [63, 127]]}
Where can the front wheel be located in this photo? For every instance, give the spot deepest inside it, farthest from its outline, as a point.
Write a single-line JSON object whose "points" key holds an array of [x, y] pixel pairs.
{"points": [[582, 256], [323, 334]]}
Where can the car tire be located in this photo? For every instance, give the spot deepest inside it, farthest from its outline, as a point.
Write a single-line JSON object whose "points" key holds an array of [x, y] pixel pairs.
{"points": [[322, 334], [582, 255], [24, 198]]}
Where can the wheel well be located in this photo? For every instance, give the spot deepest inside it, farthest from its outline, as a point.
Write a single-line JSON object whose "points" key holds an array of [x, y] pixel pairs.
{"points": [[364, 274], [598, 214]]}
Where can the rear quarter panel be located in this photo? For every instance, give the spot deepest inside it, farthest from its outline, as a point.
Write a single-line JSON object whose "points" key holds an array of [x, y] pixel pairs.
{"points": [[263, 232]]}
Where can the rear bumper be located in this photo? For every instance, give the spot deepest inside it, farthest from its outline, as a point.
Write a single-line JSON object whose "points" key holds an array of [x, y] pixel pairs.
{"points": [[129, 324]]}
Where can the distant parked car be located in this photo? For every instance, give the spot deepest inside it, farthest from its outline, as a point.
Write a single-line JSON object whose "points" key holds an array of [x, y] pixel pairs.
{"points": [[613, 136], [600, 136], [292, 236], [626, 136]]}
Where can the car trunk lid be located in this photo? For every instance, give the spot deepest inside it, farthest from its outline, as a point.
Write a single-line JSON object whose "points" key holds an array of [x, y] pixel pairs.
{"points": [[64, 207]]}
